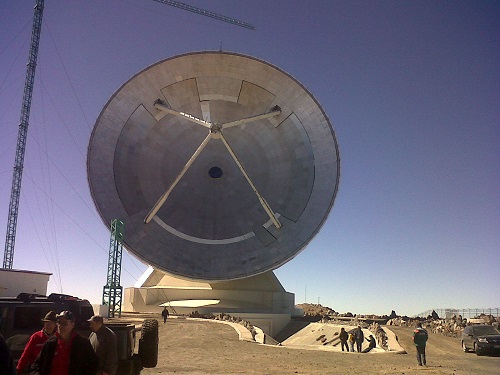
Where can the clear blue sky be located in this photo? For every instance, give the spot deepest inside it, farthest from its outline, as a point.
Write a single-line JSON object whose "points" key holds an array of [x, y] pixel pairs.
{"points": [[411, 88]]}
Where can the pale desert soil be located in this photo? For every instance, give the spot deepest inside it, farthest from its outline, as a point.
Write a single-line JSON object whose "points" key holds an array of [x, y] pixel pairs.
{"points": [[199, 347]]}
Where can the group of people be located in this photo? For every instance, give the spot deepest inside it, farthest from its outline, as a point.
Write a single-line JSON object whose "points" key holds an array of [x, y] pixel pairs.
{"points": [[59, 349], [347, 340]]}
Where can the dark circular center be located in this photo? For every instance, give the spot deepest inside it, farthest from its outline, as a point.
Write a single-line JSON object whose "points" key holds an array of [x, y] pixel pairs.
{"points": [[215, 172]]}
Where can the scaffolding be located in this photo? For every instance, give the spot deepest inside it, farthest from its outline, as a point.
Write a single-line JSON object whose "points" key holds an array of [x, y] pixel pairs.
{"points": [[112, 291]]}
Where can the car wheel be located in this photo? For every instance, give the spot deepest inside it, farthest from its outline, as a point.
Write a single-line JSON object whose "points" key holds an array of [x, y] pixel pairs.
{"points": [[476, 349], [465, 348], [148, 343]]}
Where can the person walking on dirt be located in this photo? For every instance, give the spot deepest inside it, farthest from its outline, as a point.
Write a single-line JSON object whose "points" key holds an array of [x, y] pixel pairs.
{"points": [[67, 352], [164, 314], [36, 342], [343, 336], [420, 337], [103, 341], [359, 337]]}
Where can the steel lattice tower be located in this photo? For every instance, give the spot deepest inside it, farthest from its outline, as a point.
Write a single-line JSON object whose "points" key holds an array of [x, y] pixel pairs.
{"points": [[21, 138], [112, 291]]}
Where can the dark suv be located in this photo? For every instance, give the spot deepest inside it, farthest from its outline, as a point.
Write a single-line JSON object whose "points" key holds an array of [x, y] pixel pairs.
{"points": [[481, 339], [22, 316]]}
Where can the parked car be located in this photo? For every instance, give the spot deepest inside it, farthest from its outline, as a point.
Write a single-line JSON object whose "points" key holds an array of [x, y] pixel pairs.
{"points": [[481, 338], [21, 316]]}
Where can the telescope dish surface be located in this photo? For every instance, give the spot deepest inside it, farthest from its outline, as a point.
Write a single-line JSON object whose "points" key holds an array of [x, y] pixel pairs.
{"points": [[221, 166]]}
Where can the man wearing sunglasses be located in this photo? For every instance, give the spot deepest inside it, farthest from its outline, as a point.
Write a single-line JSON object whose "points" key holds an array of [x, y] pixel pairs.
{"points": [[67, 352]]}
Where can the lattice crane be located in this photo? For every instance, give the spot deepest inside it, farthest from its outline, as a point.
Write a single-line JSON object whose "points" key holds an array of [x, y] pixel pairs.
{"points": [[21, 137], [207, 13]]}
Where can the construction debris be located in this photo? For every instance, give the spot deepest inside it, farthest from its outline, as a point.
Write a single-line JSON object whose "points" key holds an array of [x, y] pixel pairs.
{"points": [[452, 326]]}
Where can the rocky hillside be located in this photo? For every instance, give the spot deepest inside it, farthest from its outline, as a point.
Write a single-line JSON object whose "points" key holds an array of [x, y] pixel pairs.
{"points": [[311, 309]]}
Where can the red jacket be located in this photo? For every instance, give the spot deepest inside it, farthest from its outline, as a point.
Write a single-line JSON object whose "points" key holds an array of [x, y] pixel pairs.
{"points": [[32, 349], [80, 359]]}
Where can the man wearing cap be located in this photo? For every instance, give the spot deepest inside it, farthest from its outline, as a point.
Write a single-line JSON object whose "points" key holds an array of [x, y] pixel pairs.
{"points": [[67, 352], [103, 340], [36, 342]]}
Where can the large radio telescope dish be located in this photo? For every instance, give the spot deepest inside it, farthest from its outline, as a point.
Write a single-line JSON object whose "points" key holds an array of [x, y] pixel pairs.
{"points": [[221, 165]]}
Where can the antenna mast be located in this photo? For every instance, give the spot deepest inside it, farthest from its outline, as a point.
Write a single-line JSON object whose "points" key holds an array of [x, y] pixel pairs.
{"points": [[112, 291], [22, 135]]}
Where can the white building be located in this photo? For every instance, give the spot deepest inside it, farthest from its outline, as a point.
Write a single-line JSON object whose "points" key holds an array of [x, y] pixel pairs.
{"points": [[13, 282]]}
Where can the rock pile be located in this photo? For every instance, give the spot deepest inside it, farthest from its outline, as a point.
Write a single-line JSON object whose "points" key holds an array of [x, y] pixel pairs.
{"points": [[380, 335], [311, 309], [452, 327]]}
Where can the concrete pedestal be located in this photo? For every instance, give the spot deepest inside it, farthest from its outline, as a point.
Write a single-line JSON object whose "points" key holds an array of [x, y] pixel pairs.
{"points": [[260, 299]]}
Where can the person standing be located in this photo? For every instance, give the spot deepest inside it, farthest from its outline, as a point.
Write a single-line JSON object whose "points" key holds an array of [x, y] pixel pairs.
{"points": [[359, 337], [420, 337], [67, 352], [103, 340], [36, 342], [343, 336], [351, 340], [164, 314]]}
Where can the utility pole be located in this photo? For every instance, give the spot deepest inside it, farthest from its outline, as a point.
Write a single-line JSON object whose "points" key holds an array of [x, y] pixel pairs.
{"points": [[15, 194]]}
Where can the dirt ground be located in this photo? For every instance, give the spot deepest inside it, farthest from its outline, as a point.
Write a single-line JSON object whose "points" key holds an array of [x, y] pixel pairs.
{"points": [[199, 347]]}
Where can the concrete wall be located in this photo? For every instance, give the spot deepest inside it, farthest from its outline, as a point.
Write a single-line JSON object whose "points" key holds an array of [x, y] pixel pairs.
{"points": [[102, 310], [270, 324], [13, 282]]}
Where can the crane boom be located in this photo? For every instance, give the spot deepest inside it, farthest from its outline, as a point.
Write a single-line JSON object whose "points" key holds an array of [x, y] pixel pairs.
{"points": [[22, 135], [207, 13]]}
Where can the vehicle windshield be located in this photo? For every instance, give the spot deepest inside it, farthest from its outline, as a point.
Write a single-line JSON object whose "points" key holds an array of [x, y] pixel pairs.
{"points": [[485, 330]]}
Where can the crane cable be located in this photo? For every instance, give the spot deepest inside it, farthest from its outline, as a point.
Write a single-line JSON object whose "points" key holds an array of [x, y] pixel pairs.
{"points": [[49, 194]]}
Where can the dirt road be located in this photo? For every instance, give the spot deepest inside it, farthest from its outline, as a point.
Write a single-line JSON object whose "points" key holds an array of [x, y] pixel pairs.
{"points": [[198, 347]]}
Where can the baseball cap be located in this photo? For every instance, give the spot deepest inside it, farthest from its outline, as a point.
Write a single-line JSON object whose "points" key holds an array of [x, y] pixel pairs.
{"points": [[67, 315], [50, 317]]}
